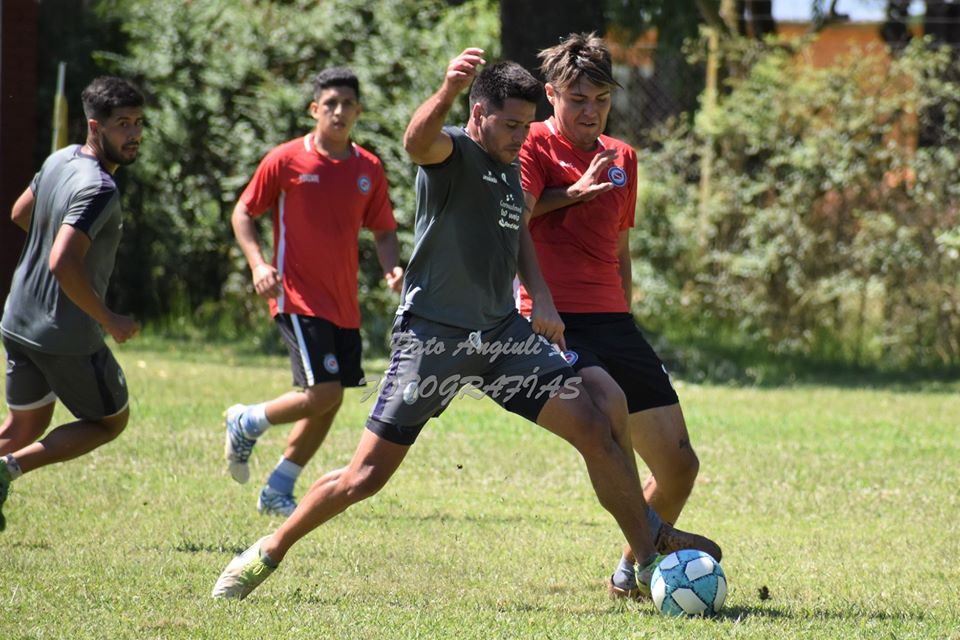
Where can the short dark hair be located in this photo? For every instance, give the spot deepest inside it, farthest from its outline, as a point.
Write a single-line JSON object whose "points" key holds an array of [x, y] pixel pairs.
{"points": [[335, 77], [107, 93], [577, 55], [506, 79]]}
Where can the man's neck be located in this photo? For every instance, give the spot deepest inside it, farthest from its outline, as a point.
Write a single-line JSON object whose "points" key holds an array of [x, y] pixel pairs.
{"points": [[332, 149], [92, 149]]}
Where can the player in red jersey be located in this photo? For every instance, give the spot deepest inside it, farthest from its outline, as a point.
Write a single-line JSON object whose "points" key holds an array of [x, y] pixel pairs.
{"points": [[582, 188], [322, 188]]}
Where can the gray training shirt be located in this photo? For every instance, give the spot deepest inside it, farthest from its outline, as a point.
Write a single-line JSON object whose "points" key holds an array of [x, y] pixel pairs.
{"points": [[71, 188], [467, 237]]}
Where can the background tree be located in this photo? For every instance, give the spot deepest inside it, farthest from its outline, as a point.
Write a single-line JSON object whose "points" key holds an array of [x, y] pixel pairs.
{"points": [[226, 81], [527, 26], [827, 234], [894, 30]]}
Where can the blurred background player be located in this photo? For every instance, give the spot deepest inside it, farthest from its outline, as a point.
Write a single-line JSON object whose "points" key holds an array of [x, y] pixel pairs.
{"points": [[582, 188], [55, 317], [322, 188]]}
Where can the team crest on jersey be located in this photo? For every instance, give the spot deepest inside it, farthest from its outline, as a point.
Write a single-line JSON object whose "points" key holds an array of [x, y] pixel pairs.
{"points": [[617, 176], [363, 183], [571, 357], [330, 363]]}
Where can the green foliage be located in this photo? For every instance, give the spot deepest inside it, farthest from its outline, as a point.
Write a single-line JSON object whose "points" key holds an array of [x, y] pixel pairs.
{"points": [[229, 80], [826, 232]]}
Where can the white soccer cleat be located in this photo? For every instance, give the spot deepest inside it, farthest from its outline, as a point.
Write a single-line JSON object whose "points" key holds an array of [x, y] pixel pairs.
{"points": [[244, 574], [238, 446]]}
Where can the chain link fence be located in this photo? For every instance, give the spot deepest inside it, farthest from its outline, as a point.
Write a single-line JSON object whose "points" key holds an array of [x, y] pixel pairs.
{"points": [[658, 84]]}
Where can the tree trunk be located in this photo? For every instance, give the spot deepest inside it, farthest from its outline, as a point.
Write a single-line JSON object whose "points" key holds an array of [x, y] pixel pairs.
{"points": [[762, 23], [527, 26], [894, 30]]}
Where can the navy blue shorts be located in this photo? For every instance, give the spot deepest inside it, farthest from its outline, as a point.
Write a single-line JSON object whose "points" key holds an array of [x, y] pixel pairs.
{"points": [[320, 351], [613, 342]]}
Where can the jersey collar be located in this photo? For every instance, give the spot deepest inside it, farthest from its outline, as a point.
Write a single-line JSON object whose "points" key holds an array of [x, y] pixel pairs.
{"points": [[554, 128], [308, 146]]}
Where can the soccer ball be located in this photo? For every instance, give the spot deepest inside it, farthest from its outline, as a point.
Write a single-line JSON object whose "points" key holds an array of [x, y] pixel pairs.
{"points": [[688, 583]]}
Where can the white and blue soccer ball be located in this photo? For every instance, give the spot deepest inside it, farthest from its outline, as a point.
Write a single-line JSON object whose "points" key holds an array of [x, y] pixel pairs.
{"points": [[688, 583]]}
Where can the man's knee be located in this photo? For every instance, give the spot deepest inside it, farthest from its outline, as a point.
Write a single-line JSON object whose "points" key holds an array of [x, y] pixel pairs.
{"points": [[115, 424], [594, 432], [687, 469], [677, 480], [21, 428], [323, 398], [608, 397]]}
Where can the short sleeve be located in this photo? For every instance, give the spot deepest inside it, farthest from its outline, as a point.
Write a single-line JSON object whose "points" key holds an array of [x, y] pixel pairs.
{"points": [[264, 188], [87, 209], [532, 177], [378, 215]]}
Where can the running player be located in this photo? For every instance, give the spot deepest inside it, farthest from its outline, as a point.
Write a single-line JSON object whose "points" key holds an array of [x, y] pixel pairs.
{"points": [[322, 188]]}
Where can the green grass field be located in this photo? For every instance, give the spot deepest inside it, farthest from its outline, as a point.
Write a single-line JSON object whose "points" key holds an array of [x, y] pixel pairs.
{"points": [[841, 503]]}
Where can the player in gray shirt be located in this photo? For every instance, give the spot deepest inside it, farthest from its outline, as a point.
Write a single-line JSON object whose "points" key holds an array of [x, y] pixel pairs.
{"points": [[457, 327], [55, 317]]}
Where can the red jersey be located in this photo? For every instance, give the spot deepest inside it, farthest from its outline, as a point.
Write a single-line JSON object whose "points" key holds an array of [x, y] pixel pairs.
{"points": [[577, 245], [319, 205]]}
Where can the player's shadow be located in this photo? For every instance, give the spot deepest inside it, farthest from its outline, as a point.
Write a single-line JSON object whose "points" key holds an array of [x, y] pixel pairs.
{"points": [[737, 613]]}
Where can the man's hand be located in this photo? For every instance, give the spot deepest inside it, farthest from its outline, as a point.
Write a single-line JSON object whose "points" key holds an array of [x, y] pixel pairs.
{"points": [[594, 181], [266, 280], [121, 328], [545, 321], [462, 70], [394, 279]]}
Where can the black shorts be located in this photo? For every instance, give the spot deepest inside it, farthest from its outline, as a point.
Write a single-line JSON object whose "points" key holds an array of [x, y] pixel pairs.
{"points": [[320, 351], [613, 342], [91, 387], [432, 363]]}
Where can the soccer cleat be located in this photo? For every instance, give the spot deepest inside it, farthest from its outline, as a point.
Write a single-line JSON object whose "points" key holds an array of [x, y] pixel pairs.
{"points": [[645, 577], [5, 480], [274, 503], [244, 574], [238, 446], [672, 539]]}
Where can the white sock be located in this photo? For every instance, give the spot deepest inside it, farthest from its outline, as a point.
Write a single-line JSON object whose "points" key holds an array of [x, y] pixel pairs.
{"points": [[254, 421], [625, 576], [12, 466]]}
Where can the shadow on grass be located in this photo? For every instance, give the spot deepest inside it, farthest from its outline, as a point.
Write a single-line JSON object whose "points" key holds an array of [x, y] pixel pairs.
{"points": [[444, 518], [735, 614], [32, 546], [189, 546]]}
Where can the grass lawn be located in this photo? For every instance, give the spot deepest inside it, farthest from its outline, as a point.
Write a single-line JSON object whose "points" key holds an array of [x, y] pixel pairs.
{"points": [[840, 503]]}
